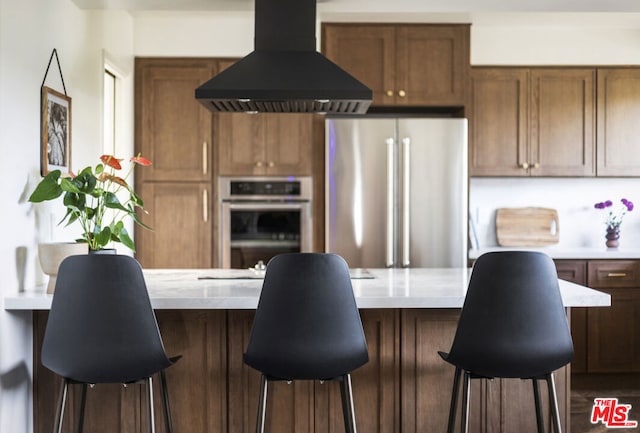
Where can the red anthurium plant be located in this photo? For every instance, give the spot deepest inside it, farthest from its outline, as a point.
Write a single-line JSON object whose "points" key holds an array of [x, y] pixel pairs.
{"points": [[91, 199]]}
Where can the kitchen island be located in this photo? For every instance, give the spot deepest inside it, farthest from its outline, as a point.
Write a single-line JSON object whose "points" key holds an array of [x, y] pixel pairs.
{"points": [[206, 315]]}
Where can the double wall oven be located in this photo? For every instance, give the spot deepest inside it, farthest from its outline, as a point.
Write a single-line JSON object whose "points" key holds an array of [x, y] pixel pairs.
{"points": [[261, 217]]}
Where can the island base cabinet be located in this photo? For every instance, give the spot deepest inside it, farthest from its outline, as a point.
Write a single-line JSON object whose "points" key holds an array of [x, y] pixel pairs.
{"points": [[289, 405], [404, 388], [375, 385], [496, 405]]}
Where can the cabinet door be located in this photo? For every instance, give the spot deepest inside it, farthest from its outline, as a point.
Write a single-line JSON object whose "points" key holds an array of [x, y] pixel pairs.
{"points": [[376, 385], [499, 127], [618, 126], [576, 272], [432, 65], [173, 130], [197, 382], [562, 133], [367, 52], [289, 141], [290, 407], [614, 334], [241, 143], [427, 380], [180, 216]]}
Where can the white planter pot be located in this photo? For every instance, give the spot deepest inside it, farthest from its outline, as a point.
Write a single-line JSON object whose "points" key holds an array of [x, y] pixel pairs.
{"points": [[53, 253]]}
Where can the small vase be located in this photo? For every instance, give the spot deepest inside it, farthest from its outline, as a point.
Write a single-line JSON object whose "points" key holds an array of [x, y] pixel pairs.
{"points": [[51, 254], [613, 236]]}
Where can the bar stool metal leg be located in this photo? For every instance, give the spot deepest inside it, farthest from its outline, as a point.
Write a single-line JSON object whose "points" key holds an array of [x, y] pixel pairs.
{"points": [[150, 413], [62, 401], [348, 411], [536, 398], [453, 408], [165, 402], [262, 405], [466, 391], [553, 401], [83, 404]]}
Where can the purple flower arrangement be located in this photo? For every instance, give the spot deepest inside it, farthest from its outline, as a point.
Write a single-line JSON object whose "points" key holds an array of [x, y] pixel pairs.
{"points": [[615, 219]]}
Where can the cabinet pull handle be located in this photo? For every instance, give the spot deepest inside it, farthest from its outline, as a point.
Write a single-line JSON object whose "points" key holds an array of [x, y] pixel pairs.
{"points": [[204, 158], [389, 92], [402, 93], [524, 165], [617, 274], [271, 164], [205, 206], [258, 163], [536, 165]]}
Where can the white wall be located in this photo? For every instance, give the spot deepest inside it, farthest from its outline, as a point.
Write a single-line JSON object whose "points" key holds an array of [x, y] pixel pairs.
{"points": [[496, 38], [29, 30], [581, 225]]}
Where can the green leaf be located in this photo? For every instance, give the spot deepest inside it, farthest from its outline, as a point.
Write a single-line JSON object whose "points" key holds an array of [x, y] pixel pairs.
{"points": [[126, 240], [103, 237], [75, 201], [111, 201], [47, 189], [69, 185]]}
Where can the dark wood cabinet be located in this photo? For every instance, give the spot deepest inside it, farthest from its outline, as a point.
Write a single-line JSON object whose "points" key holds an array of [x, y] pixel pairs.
{"points": [[618, 126], [265, 144], [532, 122], [498, 405], [403, 64], [606, 339], [613, 332], [290, 406], [376, 385], [499, 105], [405, 387], [180, 215], [576, 272], [173, 130]]}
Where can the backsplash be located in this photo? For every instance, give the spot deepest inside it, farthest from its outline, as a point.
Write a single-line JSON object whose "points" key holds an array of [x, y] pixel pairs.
{"points": [[580, 224]]}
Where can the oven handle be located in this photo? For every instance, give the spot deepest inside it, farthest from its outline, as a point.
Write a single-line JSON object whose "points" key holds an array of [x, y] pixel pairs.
{"points": [[265, 206]]}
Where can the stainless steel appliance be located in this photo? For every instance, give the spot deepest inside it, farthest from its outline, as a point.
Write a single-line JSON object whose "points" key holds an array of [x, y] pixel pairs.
{"points": [[396, 191], [261, 217]]}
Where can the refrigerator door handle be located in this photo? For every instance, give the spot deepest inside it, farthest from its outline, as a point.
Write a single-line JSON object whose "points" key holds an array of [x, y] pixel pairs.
{"points": [[406, 197], [389, 259]]}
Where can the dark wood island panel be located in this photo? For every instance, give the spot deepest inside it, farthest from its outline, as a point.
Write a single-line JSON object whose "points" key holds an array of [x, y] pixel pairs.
{"points": [[405, 387]]}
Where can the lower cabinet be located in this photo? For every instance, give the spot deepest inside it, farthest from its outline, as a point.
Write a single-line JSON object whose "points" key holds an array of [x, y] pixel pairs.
{"points": [[180, 217], [497, 405], [606, 339], [614, 332], [405, 387]]}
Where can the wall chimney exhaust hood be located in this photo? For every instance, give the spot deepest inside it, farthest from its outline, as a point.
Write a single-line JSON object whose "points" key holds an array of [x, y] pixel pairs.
{"points": [[285, 73]]}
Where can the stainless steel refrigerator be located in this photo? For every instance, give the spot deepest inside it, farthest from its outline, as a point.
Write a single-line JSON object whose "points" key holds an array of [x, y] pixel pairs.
{"points": [[396, 191]]}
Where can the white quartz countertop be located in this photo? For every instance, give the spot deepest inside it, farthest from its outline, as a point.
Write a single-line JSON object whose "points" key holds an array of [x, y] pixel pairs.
{"points": [[556, 252], [373, 288]]}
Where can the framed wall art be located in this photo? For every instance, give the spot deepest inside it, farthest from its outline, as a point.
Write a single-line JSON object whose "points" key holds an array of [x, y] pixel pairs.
{"points": [[55, 131]]}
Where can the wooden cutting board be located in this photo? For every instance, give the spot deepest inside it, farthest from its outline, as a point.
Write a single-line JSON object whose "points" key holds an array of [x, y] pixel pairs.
{"points": [[527, 227]]}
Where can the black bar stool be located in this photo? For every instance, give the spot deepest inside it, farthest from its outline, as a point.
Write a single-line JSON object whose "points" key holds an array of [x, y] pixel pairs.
{"points": [[102, 329], [513, 325], [307, 327]]}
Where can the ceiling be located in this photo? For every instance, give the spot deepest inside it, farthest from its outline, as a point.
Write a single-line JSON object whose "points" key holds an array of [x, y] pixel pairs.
{"points": [[378, 6]]}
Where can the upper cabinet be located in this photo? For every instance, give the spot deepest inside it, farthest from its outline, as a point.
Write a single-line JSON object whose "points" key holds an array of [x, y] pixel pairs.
{"points": [[264, 144], [173, 130], [618, 126], [532, 122], [414, 65]]}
